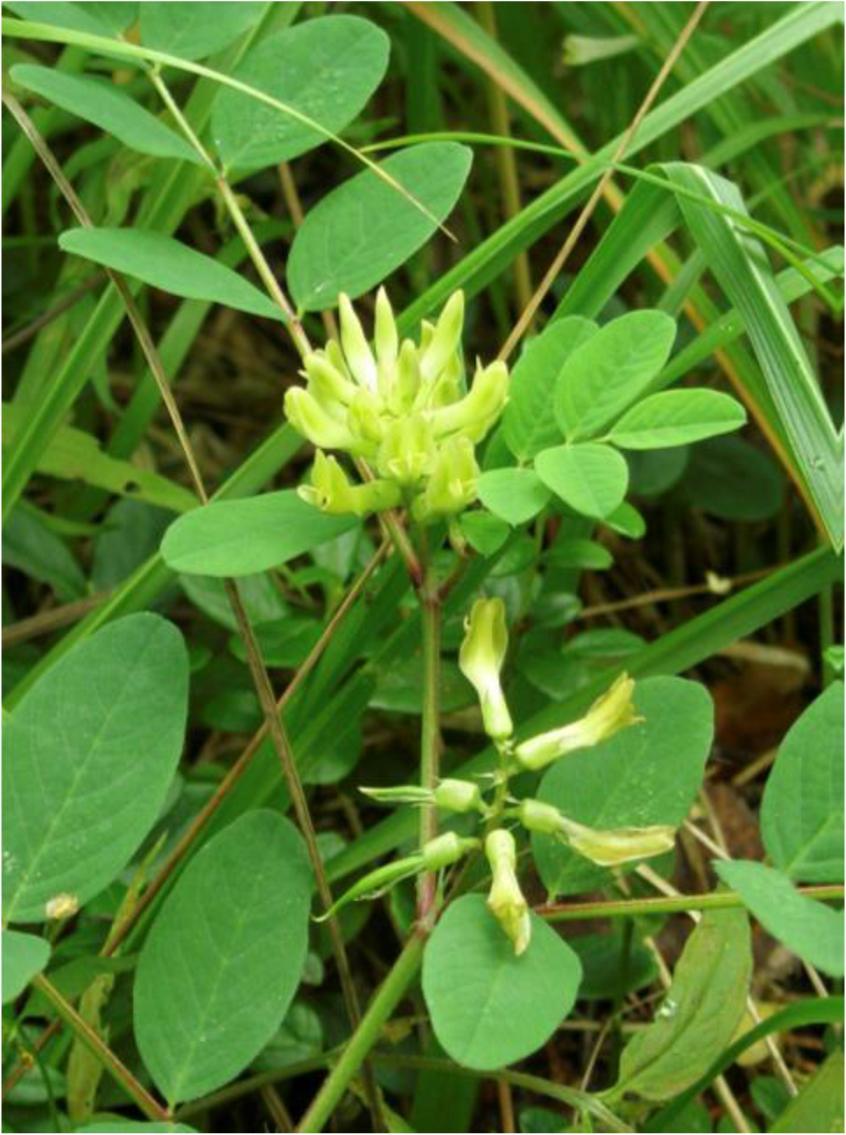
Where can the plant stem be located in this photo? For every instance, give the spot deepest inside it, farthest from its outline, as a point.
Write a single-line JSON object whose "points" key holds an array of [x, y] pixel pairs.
{"points": [[629, 908], [378, 1012], [430, 736], [92, 1041], [233, 206]]}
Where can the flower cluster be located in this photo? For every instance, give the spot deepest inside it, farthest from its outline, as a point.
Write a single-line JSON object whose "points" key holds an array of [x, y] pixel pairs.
{"points": [[401, 410], [481, 658]]}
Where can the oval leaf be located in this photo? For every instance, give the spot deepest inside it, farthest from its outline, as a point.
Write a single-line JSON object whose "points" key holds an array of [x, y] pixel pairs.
{"points": [[195, 30], [592, 479], [802, 807], [700, 1013], [24, 955], [326, 68], [95, 746], [103, 18], [240, 537], [515, 495], [361, 231], [527, 422], [646, 774], [105, 105], [676, 417], [165, 263], [224, 957], [810, 929], [605, 374], [488, 1006]]}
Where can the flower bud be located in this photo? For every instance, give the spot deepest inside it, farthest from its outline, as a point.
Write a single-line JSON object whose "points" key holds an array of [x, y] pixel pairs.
{"points": [[310, 419], [505, 900], [613, 711], [406, 383], [477, 411], [326, 382], [335, 356], [458, 796], [452, 484], [618, 845], [385, 337], [330, 490], [446, 849], [407, 450], [536, 816], [356, 348], [480, 659], [445, 339]]}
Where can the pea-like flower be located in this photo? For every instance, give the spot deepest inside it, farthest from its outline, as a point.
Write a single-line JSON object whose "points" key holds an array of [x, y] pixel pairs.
{"points": [[505, 900], [606, 847], [401, 407], [480, 658], [613, 711]]}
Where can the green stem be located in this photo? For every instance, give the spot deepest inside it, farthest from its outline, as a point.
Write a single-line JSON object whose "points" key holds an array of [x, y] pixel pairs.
{"points": [[430, 736], [92, 1041], [365, 1036], [628, 908]]}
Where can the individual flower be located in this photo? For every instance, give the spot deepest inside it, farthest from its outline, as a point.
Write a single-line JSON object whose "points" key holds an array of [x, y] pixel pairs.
{"points": [[606, 847], [505, 899], [610, 713], [437, 853], [450, 795], [481, 657], [331, 490]]}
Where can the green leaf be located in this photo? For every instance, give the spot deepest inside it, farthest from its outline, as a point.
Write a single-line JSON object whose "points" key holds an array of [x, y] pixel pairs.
{"points": [[802, 806], [361, 231], [527, 422], [484, 532], [819, 1105], [224, 957], [580, 553], [96, 742], [30, 545], [607, 373], [73, 454], [718, 466], [488, 1006], [326, 68], [646, 774], [700, 1013], [24, 955], [101, 18], [104, 104], [807, 1011], [514, 495], [194, 30], [165, 263], [677, 417], [591, 478], [809, 928], [626, 520], [742, 269], [614, 966], [241, 537]]}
